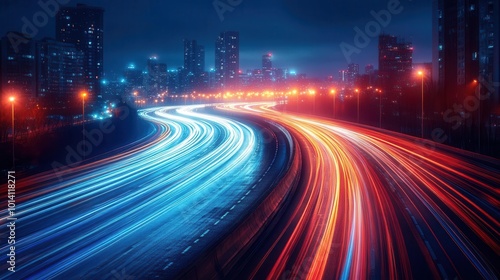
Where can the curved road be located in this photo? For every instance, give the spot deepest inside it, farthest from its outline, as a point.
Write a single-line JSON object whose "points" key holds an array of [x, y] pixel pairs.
{"points": [[380, 205], [150, 211]]}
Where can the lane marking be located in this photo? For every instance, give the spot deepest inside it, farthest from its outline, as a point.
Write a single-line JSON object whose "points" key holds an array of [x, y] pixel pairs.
{"points": [[185, 250], [168, 265], [205, 233]]}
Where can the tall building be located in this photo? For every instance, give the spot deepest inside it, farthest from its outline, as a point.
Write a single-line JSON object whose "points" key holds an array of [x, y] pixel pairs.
{"points": [[157, 77], [18, 68], [194, 64], [83, 26], [395, 62], [59, 74], [352, 73], [371, 74], [465, 45], [227, 59], [267, 67], [133, 79], [343, 76], [466, 59], [194, 57]]}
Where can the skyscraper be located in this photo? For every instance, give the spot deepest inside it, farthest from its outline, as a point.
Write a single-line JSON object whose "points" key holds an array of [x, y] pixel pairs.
{"points": [[352, 73], [133, 79], [157, 77], [83, 26], [395, 62], [465, 45], [59, 74], [466, 60], [18, 68], [194, 57], [194, 63], [227, 59], [267, 67]]}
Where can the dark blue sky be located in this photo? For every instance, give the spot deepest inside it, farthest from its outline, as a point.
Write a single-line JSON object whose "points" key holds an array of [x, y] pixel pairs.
{"points": [[303, 35]]}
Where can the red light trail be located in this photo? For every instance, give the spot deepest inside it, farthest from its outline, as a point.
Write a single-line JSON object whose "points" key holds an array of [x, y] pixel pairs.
{"points": [[379, 204]]}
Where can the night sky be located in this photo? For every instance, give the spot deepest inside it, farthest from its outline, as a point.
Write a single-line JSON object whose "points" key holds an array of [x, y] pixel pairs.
{"points": [[302, 35]]}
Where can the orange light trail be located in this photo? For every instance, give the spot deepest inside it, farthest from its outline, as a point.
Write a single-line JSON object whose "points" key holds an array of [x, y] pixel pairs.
{"points": [[367, 194]]}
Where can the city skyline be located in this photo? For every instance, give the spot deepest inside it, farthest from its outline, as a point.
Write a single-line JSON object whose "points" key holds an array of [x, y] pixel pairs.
{"points": [[308, 44], [235, 139]]}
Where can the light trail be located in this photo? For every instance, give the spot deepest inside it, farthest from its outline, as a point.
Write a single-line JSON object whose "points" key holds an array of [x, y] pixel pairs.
{"points": [[376, 204], [148, 211]]}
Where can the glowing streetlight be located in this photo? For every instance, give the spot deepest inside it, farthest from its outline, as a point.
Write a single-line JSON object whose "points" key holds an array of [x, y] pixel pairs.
{"points": [[313, 93], [357, 91], [478, 94], [84, 95], [295, 92], [12, 99], [333, 92], [380, 108], [421, 74]]}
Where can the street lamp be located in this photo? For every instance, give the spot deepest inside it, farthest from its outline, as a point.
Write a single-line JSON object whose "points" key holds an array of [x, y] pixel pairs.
{"points": [[12, 99], [333, 93], [313, 93], [380, 107], [357, 91], [295, 93], [479, 114], [84, 95], [421, 74]]}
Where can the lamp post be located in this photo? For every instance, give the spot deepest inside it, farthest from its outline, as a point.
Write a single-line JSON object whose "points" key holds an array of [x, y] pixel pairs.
{"points": [[421, 74], [12, 99], [476, 82], [295, 93], [313, 93], [84, 94], [380, 108], [333, 93], [357, 91]]}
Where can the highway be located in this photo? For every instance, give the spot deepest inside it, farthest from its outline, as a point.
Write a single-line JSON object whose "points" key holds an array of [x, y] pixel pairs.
{"points": [[379, 205], [150, 210]]}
